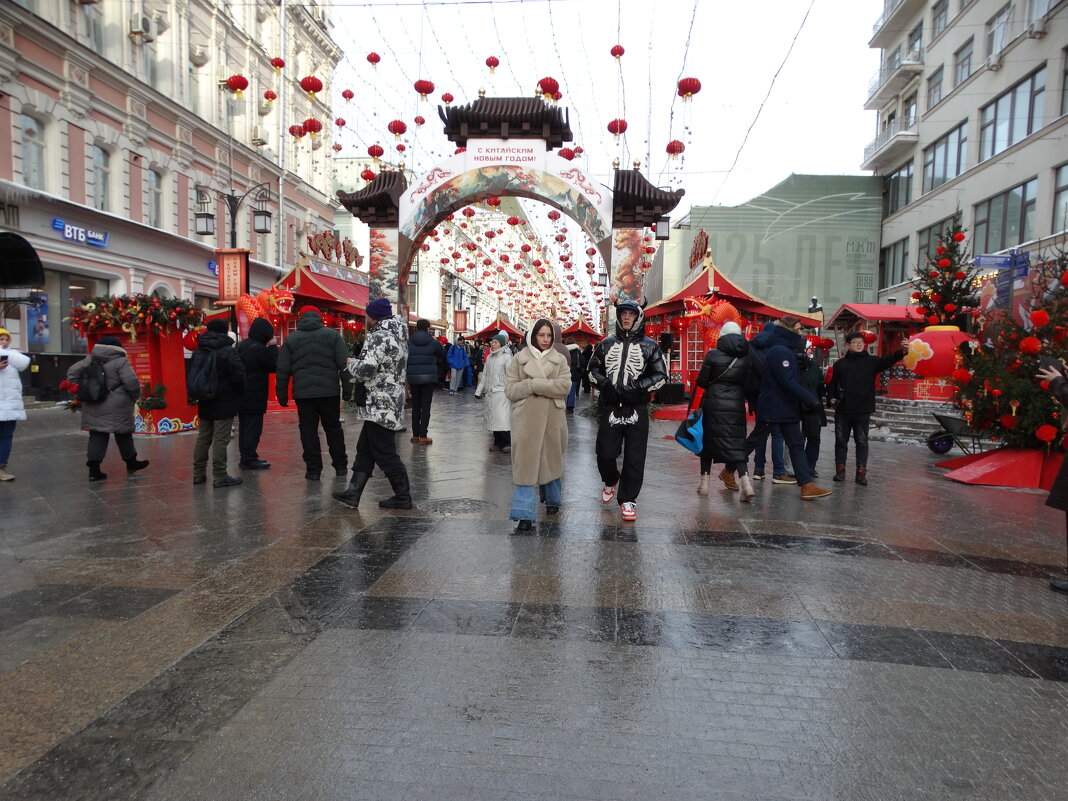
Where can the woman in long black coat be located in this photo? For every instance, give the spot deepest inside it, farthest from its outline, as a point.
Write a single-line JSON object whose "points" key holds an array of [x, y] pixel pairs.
{"points": [[1058, 493], [259, 354], [728, 376]]}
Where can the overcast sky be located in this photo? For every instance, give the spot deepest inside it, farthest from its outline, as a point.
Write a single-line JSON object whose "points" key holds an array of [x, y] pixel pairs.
{"points": [[812, 121]]}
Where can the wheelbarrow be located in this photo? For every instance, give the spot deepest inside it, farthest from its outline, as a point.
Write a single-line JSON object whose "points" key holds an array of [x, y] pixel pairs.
{"points": [[955, 431]]}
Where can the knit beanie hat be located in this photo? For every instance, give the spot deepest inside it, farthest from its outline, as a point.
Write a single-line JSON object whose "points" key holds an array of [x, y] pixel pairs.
{"points": [[501, 337], [306, 309], [4, 332], [379, 309], [730, 328], [109, 340], [218, 326]]}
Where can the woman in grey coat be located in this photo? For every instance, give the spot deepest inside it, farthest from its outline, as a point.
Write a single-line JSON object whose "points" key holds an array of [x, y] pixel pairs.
{"points": [[114, 414]]}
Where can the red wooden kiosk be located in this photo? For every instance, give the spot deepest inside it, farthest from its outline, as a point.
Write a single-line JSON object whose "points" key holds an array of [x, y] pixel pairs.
{"points": [[582, 332]]}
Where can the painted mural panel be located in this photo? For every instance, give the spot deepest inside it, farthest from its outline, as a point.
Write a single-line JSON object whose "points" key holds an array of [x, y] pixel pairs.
{"points": [[382, 277]]}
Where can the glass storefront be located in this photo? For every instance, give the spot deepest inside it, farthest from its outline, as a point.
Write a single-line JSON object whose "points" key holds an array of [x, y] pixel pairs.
{"points": [[46, 331]]}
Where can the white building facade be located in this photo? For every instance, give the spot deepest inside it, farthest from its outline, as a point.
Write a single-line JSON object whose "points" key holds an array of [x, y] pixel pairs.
{"points": [[972, 99]]}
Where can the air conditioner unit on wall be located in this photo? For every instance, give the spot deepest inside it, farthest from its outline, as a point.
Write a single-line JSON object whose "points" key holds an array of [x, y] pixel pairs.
{"points": [[1037, 29], [993, 61], [142, 29]]}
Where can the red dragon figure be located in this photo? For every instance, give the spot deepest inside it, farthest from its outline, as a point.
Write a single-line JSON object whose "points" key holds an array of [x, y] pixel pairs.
{"points": [[274, 303]]}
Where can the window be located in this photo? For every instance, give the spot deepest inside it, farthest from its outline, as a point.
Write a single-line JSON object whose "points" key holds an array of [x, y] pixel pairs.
{"points": [[914, 43], [962, 63], [927, 239], [908, 111], [1006, 220], [1060, 199], [33, 165], [944, 159], [897, 189], [1012, 116], [894, 263], [997, 30], [934, 88], [1064, 82], [1036, 9], [939, 17], [94, 27], [101, 175], [154, 186]]}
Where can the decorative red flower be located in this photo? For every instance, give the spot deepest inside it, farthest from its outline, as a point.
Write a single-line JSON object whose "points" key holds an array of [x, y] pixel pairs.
{"points": [[1030, 345], [940, 250], [960, 276], [1039, 317], [958, 237], [1046, 432]]}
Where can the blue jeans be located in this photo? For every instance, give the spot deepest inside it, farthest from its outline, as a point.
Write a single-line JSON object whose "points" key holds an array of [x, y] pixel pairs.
{"points": [[795, 441], [7, 434], [573, 394], [525, 501], [778, 450]]}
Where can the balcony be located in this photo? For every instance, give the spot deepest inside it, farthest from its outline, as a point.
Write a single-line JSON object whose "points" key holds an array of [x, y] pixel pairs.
{"points": [[894, 76], [890, 146], [898, 17]]}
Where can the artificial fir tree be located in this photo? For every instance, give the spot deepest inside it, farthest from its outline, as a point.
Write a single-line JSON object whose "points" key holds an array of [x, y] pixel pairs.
{"points": [[945, 282]]}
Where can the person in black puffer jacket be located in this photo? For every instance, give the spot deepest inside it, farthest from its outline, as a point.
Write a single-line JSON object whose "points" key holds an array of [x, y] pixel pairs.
{"points": [[728, 375], [426, 357], [217, 414], [813, 419], [852, 391], [259, 355]]}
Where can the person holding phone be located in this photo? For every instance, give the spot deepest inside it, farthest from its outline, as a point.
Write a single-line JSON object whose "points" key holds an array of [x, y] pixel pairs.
{"points": [[12, 362], [1053, 371]]}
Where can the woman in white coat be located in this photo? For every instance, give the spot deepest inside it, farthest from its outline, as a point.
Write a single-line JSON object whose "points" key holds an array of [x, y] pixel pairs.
{"points": [[537, 384], [12, 362], [491, 386]]}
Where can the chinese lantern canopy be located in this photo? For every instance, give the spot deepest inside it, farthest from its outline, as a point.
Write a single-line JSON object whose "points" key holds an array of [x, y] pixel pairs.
{"points": [[420, 120], [688, 87], [278, 63], [933, 352], [675, 148], [312, 126], [446, 99], [311, 85], [367, 175], [566, 153], [340, 122], [617, 127], [397, 128], [493, 62], [375, 152], [617, 52], [270, 96], [423, 87], [237, 84], [348, 94], [373, 59], [548, 87]]}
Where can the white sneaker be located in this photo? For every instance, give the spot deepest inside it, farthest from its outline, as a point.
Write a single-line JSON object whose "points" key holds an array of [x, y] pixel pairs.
{"points": [[608, 493], [630, 511]]}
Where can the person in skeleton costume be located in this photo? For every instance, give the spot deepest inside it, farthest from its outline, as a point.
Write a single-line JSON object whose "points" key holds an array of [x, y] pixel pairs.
{"points": [[625, 367]]}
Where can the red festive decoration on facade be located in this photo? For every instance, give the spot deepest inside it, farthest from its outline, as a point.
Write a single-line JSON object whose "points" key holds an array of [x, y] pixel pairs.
{"points": [[446, 99], [237, 84], [493, 62], [270, 96], [311, 85], [617, 51], [675, 148], [566, 153], [373, 59], [312, 126], [278, 63], [367, 175], [688, 87], [423, 87], [397, 128], [548, 86], [375, 152], [348, 94], [617, 127]]}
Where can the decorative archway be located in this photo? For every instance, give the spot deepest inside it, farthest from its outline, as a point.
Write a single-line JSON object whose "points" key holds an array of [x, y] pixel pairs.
{"points": [[503, 150]]}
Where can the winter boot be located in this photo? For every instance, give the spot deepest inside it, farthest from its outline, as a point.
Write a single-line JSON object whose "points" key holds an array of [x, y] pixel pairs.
{"points": [[839, 472], [134, 464], [745, 484], [862, 476], [402, 492], [4, 475], [727, 477], [94, 471], [702, 487], [351, 495], [810, 492]]}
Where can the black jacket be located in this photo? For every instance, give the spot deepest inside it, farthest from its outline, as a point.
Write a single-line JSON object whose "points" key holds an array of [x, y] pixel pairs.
{"points": [[426, 358], [782, 396], [231, 378], [312, 356], [626, 366], [727, 375], [815, 417], [1058, 493], [852, 384], [260, 360]]}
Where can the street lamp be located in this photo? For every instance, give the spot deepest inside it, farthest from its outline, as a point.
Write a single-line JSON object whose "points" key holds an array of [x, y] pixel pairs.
{"points": [[261, 215]]}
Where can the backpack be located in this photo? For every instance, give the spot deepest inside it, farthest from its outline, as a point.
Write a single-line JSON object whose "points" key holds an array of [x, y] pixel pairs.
{"points": [[202, 380], [93, 383]]}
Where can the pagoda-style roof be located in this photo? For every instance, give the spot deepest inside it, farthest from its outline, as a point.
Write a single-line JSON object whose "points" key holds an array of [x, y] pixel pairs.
{"points": [[377, 203], [636, 203], [507, 118]]}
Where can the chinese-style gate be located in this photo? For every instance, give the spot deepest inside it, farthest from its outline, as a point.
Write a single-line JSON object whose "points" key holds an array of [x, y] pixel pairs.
{"points": [[505, 142]]}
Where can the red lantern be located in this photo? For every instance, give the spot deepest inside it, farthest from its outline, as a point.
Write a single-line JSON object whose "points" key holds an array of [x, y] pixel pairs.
{"points": [[337, 147], [688, 87], [1030, 345], [312, 126], [446, 99], [237, 84], [340, 122], [468, 212], [373, 59], [492, 62], [961, 376], [419, 120], [547, 87], [554, 215], [348, 94], [513, 221], [566, 153], [679, 324], [367, 175], [277, 63], [423, 87], [493, 201], [397, 128], [617, 52], [270, 96], [375, 152], [869, 337], [675, 148], [297, 131], [311, 85], [958, 237], [1046, 433], [933, 352], [617, 127], [401, 148]]}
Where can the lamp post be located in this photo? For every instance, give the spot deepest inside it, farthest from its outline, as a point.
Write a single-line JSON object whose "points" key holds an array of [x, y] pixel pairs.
{"points": [[261, 216]]}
